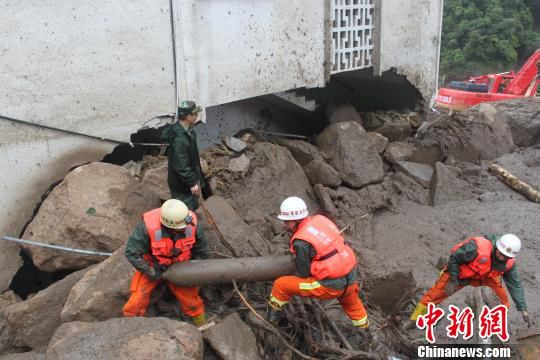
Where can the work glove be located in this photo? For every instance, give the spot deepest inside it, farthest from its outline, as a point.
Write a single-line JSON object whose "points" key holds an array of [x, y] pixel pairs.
{"points": [[154, 274], [452, 286], [527, 318]]}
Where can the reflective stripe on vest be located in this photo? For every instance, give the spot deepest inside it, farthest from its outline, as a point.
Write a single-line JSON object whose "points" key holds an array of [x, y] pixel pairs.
{"points": [[162, 248], [333, 258], [480, 267]]}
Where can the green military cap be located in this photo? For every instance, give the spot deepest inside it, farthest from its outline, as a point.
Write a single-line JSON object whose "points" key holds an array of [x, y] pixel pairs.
{"points": [[189, 107]]}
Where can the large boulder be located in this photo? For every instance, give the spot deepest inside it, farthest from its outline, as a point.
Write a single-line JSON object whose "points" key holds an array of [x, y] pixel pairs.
{"points": [[8, 298], [11, 262], [239, 238], [378, 141], [392, 125], [273, 176], [95, 207], [523, 117], [357, 202], [352, 154], [31, 323], [154, 176], [302, 151], [232, 339], [398, 151], [472, 135], [320, 172], [343, 113], [126, 339], [102, 292], [30, 355]]}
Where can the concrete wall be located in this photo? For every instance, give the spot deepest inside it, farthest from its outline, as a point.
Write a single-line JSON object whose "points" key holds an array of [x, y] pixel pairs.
{"points": [[239, 49], [408, 39], [96, 67]]}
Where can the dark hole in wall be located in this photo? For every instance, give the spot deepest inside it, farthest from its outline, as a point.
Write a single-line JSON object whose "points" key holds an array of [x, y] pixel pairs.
{"points": [[367, 92], [124, 152], [29, 279]]}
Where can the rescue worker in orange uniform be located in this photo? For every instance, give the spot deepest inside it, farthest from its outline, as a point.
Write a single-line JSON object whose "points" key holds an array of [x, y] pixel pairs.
{"points": [[325, 265], [479, 261], [166, 235]]}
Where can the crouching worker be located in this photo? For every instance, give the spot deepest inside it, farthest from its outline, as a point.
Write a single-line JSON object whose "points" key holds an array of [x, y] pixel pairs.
{"points": [[325, 264], [479, 261], [166, 235]]}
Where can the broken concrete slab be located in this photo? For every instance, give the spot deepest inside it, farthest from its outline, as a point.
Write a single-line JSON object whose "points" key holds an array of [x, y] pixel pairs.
{"points": [[398, 151], [31, 323], [351, 154], [422, 173], [378, 141], [232, 339], [234, 144], [239, 164], [126, 339], [95, 207], [446, 185], [101, 293], [240, 239], [320, 172]]}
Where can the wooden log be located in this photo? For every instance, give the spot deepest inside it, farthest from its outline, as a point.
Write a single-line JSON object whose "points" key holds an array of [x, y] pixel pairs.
{"points": [[519, 185], [223, 271]]}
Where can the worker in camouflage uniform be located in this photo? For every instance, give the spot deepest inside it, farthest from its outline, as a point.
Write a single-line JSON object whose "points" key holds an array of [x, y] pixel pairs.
{"points": [[166, 235], [479, 261], [185, 177]]}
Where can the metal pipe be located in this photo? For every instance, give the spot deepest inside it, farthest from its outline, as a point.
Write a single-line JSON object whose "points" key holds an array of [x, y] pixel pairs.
{"points": [[56, 247], [223, 271]]}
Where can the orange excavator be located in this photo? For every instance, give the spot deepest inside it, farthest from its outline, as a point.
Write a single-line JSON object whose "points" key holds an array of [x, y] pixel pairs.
{"points": [[493, 87]]}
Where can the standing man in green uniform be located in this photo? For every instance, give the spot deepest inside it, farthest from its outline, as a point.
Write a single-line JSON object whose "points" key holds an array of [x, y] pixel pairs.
{"points": [[185, 177]]}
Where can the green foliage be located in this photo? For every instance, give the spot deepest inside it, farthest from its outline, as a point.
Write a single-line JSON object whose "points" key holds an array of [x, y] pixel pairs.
{"points": [[482, 36]]}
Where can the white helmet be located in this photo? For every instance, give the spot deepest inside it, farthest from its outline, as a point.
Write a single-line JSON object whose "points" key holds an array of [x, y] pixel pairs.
{"points": [[509, 245], [293, 208], [175, 214]]}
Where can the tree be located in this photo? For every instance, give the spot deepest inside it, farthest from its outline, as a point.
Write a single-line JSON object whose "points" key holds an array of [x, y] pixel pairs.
{"points": [[482, 36]]}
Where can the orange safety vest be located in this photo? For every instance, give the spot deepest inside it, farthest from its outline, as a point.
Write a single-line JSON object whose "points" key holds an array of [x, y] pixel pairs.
{"points": [[480, 267], [162, 248], [333, 258]]}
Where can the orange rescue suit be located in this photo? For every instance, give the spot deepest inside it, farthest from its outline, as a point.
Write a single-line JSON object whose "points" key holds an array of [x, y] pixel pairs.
{"points": [[162, 248], [480, 267], [333, 258]]}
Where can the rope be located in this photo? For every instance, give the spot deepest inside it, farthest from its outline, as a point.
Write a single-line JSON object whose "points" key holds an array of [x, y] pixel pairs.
{"points": [[56, 247], [70, 132]]}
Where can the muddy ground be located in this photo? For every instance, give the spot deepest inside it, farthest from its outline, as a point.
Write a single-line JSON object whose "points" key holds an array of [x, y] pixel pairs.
{"points": [[423, 190]]}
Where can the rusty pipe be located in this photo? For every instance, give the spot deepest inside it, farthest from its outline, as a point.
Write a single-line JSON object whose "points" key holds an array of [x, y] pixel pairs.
{"points": [[223, 271]]}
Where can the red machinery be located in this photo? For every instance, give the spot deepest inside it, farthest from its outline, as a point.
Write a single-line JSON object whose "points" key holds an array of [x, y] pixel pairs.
{"points": [[492, 87]]}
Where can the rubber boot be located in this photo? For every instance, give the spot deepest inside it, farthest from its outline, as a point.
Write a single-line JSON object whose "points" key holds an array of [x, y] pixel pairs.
{"points": [[199, 320], [273, 315], [420, 309]]}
